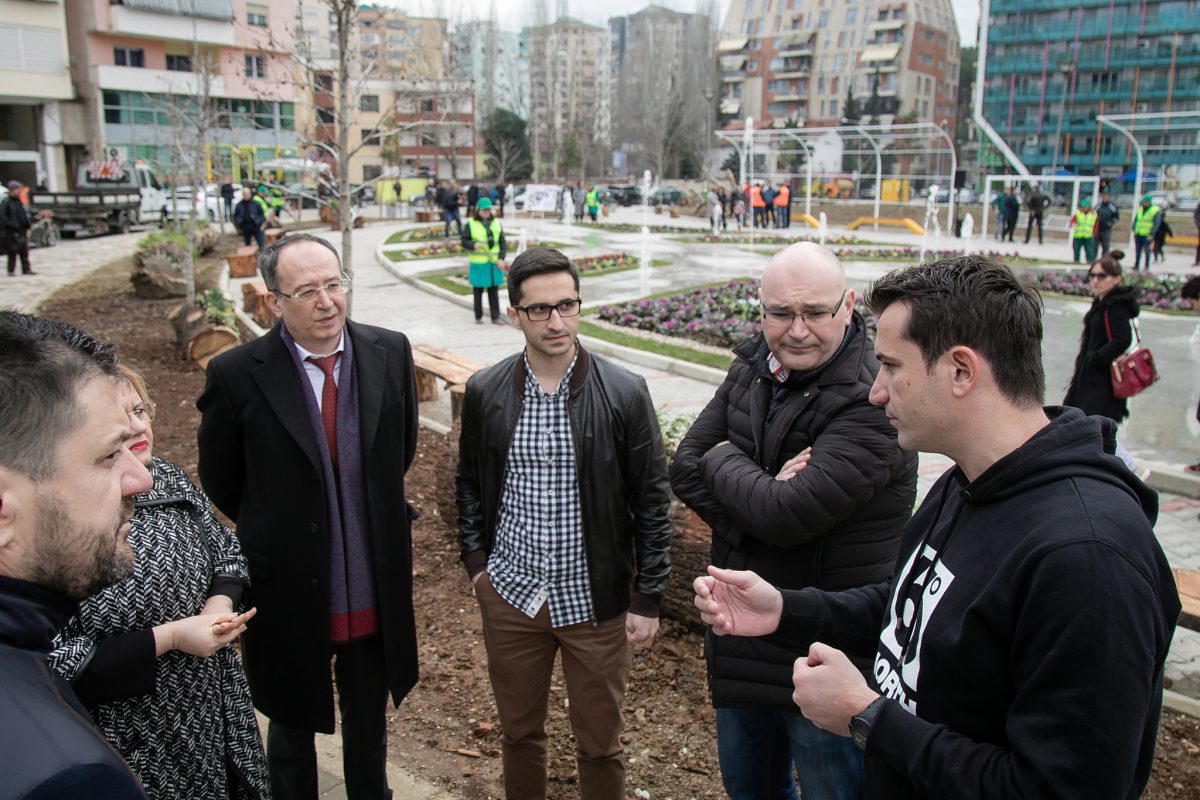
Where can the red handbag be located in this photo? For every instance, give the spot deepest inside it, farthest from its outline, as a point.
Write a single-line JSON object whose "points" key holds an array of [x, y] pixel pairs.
{"points": [[1133, 371]]}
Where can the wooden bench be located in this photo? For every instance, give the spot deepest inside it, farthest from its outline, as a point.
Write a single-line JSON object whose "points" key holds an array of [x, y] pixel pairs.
{"points": [[272, 235], [254, 303], [1188, 583], [437, 363], [898, 222], [244, 262]]}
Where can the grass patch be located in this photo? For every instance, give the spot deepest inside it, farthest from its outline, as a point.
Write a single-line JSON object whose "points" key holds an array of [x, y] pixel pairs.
{"points": [[400, 256], [682, 352], [448, 283]]}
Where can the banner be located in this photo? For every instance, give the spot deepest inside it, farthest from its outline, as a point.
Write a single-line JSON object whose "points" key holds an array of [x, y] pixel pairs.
{"points": [[541, 197]]}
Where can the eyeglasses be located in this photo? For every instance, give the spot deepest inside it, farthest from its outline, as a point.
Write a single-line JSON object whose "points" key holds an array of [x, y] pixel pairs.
{"points": [[145, 411], [540, 312], [1097, 276], [310, 294], [811, 319]]}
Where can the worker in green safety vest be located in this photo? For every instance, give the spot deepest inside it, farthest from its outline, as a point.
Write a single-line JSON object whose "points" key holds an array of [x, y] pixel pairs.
{"points": [[1146, 220], [1083, 232], [592, 199], [483, 239]]}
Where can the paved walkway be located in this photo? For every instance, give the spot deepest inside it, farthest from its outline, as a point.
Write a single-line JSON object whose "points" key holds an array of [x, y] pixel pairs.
{"points": [[384, 295]]}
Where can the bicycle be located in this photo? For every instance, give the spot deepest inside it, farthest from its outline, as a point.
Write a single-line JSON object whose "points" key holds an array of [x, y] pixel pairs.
{"points": [[44, 232]]}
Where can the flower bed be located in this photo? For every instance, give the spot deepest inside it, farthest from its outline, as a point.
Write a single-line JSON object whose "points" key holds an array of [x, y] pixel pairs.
{"points": [[444, 249], [629, 227], [604, 263], [911, 254], [426, 234], [721, 315], [1152, 291], [744, 238]]}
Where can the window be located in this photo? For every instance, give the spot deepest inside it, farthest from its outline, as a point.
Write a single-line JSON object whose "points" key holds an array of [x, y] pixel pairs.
{"points": [[851, 16], [369, 102], [369, 137], [428, 106], [371, 172], [256, 14], [324, 115], [323, 82], [129, 57], [833, 85], [255, 67], [752, 66], [833, 108], [838, 60], [823, 19], [426, 139], [179, 63]]}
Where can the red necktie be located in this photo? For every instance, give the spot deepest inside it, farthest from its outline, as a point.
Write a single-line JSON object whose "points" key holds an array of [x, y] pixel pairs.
{"points": [[328, 404]]}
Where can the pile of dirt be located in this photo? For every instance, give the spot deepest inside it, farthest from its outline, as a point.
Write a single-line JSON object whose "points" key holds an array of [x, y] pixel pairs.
{"points": [[447, 730]]}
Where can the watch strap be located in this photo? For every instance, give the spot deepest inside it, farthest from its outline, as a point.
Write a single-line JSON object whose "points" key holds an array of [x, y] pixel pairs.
{"points": [[860, 723]]}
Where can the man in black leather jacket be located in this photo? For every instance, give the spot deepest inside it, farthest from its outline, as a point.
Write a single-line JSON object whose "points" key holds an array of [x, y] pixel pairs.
{"points": [[65, 480], [797, 389], [565, 531]]}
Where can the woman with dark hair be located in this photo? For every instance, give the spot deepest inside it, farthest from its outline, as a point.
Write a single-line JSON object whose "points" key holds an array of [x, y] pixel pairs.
{"points": [[1107, 333], [150, 658]]}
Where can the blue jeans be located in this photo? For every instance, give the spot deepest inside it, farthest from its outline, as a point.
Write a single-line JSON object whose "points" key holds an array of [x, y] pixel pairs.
{"points": [[757, 747], [1141, 244], [452, 216]]}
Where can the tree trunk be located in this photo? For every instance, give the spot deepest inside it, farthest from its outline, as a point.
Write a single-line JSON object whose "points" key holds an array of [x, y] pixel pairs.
{"points": [[690, 557]]}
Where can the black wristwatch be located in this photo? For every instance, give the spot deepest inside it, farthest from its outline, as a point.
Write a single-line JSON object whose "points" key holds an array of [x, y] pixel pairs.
{"points": [[860, 724]]}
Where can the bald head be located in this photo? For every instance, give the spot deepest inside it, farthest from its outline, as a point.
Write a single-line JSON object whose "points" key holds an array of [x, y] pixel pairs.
{"points": [[804, 262], [806, 305]]}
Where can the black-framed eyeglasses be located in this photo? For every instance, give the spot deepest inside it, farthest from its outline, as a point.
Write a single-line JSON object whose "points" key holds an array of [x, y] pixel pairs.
{"points": [[1096, 276], [309, 294], [145, 411], [812, 319], [540, 312]]}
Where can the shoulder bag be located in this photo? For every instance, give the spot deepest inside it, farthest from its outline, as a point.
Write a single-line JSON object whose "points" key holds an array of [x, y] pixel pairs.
{"points": [[1133, 371]]}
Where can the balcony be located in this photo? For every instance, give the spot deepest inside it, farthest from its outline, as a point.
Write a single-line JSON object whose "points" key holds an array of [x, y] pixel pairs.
{"points": [[142, 24], [156, 81]]}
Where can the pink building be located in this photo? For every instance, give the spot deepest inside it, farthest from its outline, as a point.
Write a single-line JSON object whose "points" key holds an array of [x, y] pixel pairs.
{"points": [[141, 66]]}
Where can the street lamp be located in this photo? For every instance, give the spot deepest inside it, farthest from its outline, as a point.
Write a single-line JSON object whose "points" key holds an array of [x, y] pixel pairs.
{"points": [[1065, 68]]}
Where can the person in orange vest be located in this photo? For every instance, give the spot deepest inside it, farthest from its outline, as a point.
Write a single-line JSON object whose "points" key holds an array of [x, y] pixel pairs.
{"points": [[783, 209], [758, 206]]}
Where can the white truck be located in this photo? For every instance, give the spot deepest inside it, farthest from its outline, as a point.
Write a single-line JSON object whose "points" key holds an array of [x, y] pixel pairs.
{"points": [[109, 196]]}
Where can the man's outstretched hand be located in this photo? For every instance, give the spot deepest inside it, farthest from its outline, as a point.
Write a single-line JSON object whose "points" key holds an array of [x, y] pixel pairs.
{"points": [[737, 602]]}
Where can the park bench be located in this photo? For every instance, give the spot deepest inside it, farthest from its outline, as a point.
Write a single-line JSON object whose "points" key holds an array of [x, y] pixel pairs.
{"points": [[272, 235], [254, 303], [898, 222], [437, 363], [243, 262], [1188, 583]]}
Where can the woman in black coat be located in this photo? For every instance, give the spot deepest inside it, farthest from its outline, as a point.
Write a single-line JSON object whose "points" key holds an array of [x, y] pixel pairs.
{"points": [[1107, 333]]}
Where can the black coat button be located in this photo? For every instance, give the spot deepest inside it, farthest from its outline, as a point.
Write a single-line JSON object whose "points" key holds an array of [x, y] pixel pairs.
{"points": [[315, 528], [312, 582]]}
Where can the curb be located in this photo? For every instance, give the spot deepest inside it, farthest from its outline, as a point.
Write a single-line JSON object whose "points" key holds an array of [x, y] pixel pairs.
{"points": [[415, 281], [675, 366], [1171, 478], [1181, 703]]}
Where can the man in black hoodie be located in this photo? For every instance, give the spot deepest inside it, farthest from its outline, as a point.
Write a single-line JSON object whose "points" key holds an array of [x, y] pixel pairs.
{"points": [[65, 481], [1019, 645]]}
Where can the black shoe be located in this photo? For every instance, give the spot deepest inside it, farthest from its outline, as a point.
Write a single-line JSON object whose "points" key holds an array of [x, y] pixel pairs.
{"points": [[27, 272], [497, 322], [479, 322]]}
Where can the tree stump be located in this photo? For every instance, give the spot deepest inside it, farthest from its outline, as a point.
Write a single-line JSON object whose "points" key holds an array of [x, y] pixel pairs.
{"points": [[158, 272], [199, 338], [243, 262], [690, 557], [254, 303]]}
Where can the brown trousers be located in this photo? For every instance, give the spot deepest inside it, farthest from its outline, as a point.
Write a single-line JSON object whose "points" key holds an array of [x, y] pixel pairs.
{"points": [[595, 664]]}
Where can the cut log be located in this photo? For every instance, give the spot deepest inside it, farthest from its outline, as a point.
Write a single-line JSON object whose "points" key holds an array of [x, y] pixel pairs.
{"points": [[198, 337], [690, 557], [158, 273], [243, 262], [254, 303], [272, 234]]}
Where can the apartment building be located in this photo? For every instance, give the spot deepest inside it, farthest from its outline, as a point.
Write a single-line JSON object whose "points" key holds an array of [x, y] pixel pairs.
{"points": [[493, 61], [785, 61], [139, 65], [1052, 66], [36, 121], [415, 129]]}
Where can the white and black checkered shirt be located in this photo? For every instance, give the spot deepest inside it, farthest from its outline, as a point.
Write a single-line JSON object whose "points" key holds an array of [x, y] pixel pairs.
{"points": [[538, 555]]}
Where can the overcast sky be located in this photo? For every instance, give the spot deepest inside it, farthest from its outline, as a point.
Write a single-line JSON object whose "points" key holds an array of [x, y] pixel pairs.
{"points": [[514, 14]]}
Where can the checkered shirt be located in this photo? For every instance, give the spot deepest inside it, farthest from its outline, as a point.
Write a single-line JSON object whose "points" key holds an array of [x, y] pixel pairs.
{"points": [[538, 556]]}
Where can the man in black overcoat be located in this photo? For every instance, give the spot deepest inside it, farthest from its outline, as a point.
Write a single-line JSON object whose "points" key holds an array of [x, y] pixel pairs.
{"points": [[305, 437]]}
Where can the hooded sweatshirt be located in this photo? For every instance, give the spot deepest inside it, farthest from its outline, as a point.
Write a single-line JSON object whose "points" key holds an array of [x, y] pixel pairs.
{"points": [[1022, 638]]}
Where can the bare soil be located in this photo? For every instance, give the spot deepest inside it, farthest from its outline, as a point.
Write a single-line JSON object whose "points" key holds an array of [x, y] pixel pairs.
{"points": [[447, 731]]}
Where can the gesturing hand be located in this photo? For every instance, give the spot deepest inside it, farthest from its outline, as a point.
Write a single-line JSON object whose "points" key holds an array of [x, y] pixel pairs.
{"points": [[829, 689], [737, 602]]}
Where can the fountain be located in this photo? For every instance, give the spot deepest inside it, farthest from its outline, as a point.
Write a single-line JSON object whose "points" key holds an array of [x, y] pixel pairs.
{"points": [[509, 206], [644, 269], [568, 206], [520, 241], [931, 221], [822, 227], [968, 227]]}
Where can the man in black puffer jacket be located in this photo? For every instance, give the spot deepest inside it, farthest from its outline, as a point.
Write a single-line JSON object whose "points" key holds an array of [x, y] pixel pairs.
{"points": [[831, 522]]}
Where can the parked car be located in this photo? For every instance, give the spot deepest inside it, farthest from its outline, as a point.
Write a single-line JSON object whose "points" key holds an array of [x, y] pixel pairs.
{"points": [[187, 204], [1164, 200], [665, 196], [363, 194], [305, 196], [867, 192], [967, 195]]}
